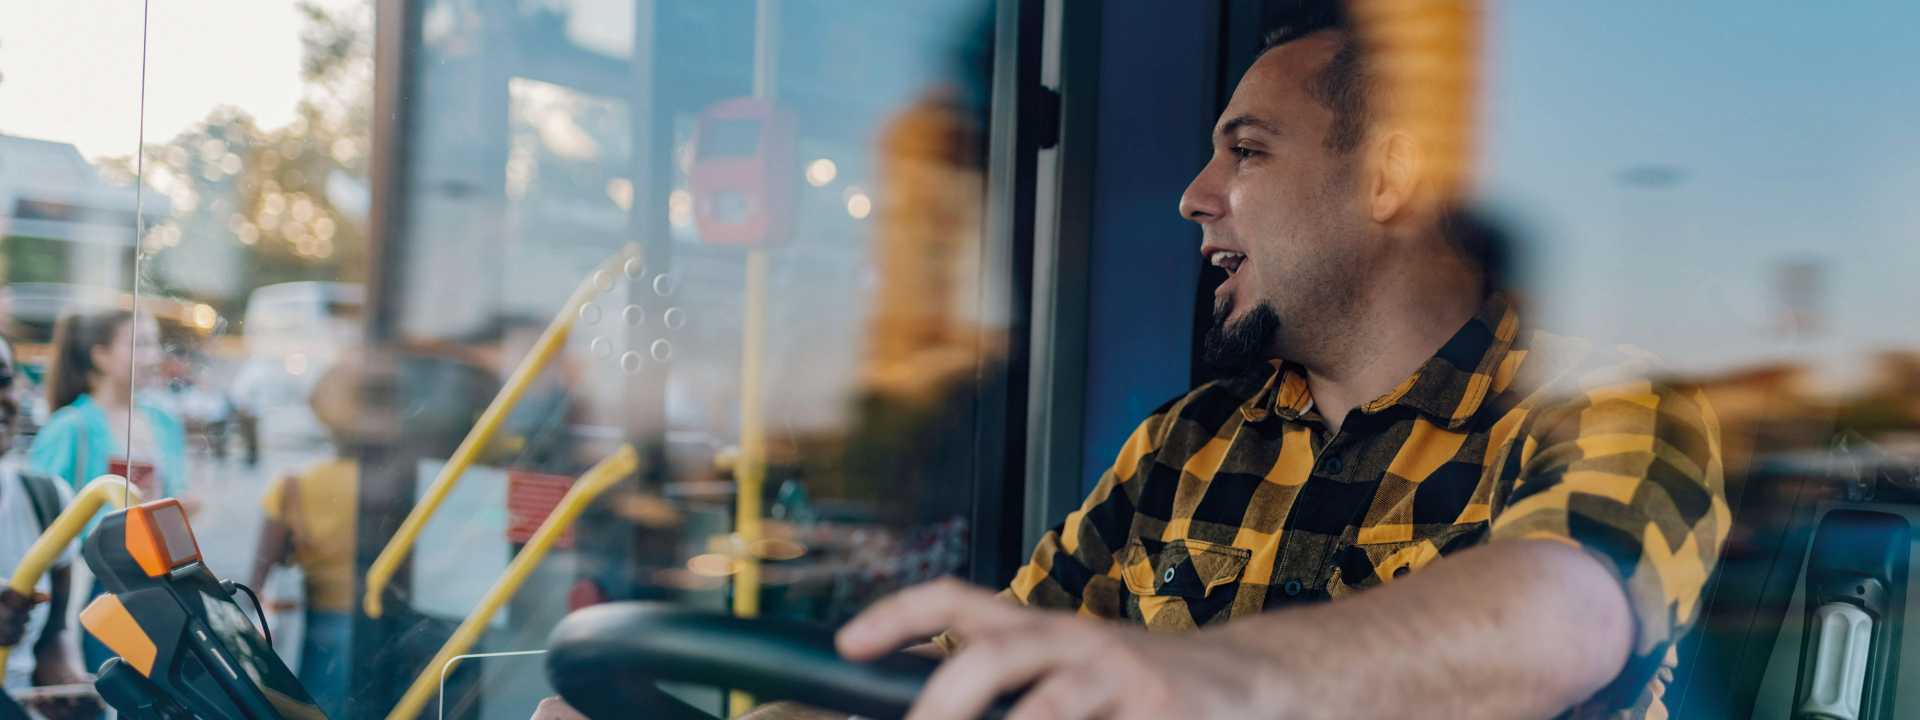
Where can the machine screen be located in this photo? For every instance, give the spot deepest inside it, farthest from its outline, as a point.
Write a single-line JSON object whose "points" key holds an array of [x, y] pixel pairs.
{"points": [[257, 660], [172, 524]]}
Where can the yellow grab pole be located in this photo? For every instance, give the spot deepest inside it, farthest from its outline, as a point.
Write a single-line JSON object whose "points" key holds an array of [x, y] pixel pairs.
{"points": [[597, 480], [750, 470], [383, 568], [104, 490]]}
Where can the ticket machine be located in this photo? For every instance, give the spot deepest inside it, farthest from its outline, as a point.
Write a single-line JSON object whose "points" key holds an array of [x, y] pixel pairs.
{"points": [[185, 648]]}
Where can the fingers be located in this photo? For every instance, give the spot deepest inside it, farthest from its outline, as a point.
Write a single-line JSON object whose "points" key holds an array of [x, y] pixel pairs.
{"points": [[64, 708], [920, 611], [12, 599], [554, 708], [996, 663], [1078, 693], [1007, 647]]}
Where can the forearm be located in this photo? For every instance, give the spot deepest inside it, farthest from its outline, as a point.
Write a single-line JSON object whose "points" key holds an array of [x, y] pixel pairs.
{"points": [[270, 551], [1506, 630], [51, 665], [59, 596]]}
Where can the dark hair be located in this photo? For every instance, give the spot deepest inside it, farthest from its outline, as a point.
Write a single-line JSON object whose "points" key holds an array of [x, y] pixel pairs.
{"points": [[1342, 85], [74, 338], [1345, 85]]}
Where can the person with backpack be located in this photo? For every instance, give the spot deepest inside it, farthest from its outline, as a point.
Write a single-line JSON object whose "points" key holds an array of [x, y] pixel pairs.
{"points": [[29, 502]]}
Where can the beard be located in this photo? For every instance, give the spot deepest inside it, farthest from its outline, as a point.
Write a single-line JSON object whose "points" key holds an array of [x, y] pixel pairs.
{"points": [[1232, 348]]}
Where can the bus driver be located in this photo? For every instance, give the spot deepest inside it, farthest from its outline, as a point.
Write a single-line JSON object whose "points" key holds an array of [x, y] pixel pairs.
{"points": [[1512, 524]]}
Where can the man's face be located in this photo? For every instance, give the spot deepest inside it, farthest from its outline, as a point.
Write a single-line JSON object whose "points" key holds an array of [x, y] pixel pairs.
{"points": [[1278, 210]]}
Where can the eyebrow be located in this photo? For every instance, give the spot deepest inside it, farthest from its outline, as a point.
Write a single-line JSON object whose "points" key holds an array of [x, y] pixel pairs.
{"points": [[1246, 121]]}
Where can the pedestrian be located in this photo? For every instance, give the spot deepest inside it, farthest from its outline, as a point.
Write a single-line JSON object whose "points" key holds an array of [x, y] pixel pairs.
{"points": [[100, 423], [309, 524], [29, 502]]}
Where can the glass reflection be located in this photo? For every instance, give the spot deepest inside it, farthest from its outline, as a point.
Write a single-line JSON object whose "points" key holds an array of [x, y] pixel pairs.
{"points": [[189, 304]]}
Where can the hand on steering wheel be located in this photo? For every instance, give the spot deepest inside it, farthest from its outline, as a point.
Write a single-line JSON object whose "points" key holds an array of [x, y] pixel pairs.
{"points": [[554, 708], [1077, 667]]}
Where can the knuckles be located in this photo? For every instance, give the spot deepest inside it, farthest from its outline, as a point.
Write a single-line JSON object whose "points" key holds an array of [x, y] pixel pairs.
{"points": [[554, 708]]}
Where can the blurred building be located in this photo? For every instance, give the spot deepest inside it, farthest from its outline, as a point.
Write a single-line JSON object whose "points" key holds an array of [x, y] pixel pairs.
{"points": [[62, 221]]}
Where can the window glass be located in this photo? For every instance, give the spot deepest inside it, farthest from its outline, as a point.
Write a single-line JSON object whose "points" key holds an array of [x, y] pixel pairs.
{"points": [[70, 209], [1723, 189], [711, 279], [736, 242]]}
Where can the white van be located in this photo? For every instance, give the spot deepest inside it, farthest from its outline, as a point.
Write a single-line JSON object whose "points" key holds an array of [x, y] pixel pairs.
{"points": [[293, 332]]}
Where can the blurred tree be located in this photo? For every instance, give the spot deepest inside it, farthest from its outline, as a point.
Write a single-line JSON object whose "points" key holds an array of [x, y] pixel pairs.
{"points": [[255, 206]]}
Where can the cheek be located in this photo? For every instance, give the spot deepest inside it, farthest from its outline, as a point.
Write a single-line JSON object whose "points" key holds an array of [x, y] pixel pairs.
{"points": [[1271, 206]]}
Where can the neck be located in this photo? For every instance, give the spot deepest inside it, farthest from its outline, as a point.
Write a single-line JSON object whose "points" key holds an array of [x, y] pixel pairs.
{"points": [[1391, 332], [112, 394]]}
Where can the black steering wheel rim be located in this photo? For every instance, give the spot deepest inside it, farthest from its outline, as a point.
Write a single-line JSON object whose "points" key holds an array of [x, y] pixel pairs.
{"points": [[604, 661]]}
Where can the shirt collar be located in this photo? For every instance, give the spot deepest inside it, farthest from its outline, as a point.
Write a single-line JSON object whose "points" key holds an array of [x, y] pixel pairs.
{"points": [[1448, 388]]}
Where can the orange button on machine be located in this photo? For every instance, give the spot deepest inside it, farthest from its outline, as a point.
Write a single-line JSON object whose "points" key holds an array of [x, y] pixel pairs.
{"points": [[109, 621]]}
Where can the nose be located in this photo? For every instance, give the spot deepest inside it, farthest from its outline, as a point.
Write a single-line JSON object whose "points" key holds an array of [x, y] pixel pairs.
{"points": [[1203, 201]]}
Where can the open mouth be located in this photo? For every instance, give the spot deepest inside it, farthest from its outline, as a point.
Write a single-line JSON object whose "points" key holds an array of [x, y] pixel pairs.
{"points": [[1229, 260]]}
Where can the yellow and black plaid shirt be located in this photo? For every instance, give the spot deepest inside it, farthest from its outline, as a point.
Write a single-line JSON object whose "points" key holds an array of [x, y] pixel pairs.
{"points": [[1235, 499]]}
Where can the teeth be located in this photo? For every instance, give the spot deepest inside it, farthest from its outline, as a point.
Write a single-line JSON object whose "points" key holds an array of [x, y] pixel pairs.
{"points": [[1227, 259]]}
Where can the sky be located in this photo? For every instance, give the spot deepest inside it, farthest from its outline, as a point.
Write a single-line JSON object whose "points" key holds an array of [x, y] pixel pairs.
{"points": [[73, 68], [1794, 132]]}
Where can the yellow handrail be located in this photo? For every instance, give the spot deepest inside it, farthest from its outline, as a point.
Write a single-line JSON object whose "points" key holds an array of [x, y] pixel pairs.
{"points": [[383, 568], [750, 469], [597, 480], [104, 490]]}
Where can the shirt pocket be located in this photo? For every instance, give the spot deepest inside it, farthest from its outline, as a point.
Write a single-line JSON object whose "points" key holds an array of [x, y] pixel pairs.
{"points": [[1363, 565], [1182, 568]]}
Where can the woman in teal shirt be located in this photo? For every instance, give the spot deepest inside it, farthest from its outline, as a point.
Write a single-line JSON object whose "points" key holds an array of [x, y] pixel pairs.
{"points": [[91, 387], [98, 416]]}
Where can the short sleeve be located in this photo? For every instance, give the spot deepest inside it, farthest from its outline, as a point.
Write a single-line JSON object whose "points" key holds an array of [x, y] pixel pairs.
{"points": [[270, 502], [1629, 470], [54, 448], [1072, 567]]}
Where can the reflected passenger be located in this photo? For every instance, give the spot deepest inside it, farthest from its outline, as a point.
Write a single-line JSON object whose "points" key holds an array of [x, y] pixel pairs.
{"points": [[309, 524], [100, 425], [29, 503]]}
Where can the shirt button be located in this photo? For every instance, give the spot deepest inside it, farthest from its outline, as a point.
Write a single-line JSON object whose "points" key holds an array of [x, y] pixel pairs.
{"points": [[1402, 570], [1293, 587], [1167, 577], [1333, 465]]}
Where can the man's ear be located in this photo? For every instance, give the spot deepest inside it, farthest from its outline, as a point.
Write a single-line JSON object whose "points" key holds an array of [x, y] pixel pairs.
{"points": [[1396, 175]]}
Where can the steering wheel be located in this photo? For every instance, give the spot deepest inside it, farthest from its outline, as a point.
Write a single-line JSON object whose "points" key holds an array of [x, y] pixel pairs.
{"points": [[605, 659]]}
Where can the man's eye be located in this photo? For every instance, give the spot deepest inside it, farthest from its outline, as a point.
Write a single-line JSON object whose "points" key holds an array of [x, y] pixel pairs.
{"points": [[1245, 153]]}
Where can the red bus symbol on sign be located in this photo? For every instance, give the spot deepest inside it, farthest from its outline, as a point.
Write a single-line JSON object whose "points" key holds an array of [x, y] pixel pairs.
{"points": [[531, 497]]}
